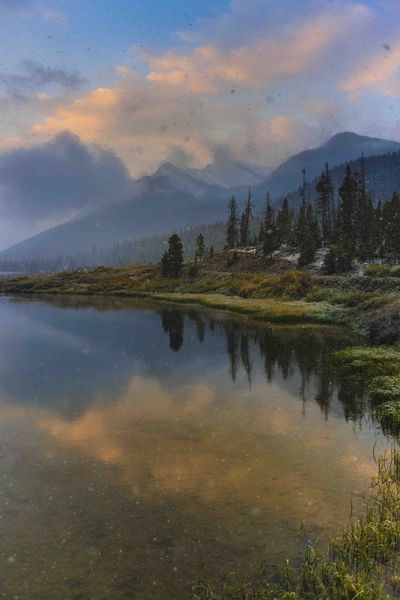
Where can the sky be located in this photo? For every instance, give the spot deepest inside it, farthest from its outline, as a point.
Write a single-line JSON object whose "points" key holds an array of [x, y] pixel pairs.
{"points": [[96, 92]]}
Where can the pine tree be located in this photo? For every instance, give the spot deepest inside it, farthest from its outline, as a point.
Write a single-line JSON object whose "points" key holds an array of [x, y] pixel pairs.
{"points": [[175, 252], [364, 220], [261, 233], [308, 235], [270, 243], [200, 247], [301, 224], [346, 219], [172, 260], [330, 261], [165, 266], [325, 203], [284, 221], [379, 230], [245, 222], [391, 219], [231, 228]]}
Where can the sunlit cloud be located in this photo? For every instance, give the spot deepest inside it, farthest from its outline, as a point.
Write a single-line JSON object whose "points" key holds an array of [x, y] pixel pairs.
{"points": [[260, 62], [380, 73], [263, 80], [187, 102]]}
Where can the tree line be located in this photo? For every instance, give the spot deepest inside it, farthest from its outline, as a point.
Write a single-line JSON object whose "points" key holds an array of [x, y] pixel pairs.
{"points": [[348, 228]]}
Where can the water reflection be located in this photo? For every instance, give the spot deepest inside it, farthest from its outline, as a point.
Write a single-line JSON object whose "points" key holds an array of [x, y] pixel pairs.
{"points": [[286, 350], [173, 323], [143, 447]]}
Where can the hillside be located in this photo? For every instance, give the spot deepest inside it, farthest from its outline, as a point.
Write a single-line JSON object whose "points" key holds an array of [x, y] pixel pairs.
{"points": [[341, 148], [382, 177]]}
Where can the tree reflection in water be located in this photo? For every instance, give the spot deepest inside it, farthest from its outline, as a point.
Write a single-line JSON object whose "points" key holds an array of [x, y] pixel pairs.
{"points": [[282, 349]]}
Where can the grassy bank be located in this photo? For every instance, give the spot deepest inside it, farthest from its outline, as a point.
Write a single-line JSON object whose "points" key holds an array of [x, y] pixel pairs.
{"points": [[370, 306], [375, 373]]}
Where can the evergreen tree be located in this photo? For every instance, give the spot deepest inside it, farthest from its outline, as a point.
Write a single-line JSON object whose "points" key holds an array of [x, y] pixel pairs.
{"points": [[231, 227], [200, 247], [175, 252], [330, 261], [391, 220], [346, 219], [165, 266], [325, 203], [364, 220], [245, 222], [367, 241], [211, 251], [261, 233], [379, 230], [301, 224], [308, 235], [284, 222], [270, 242], [172, 260]]}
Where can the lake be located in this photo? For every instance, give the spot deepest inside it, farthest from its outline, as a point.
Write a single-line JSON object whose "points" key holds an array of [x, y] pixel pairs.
{"points": [[144, 447]]}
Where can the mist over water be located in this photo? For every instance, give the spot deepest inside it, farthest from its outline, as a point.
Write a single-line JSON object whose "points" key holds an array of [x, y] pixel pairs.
{"points": [[144, 447]]}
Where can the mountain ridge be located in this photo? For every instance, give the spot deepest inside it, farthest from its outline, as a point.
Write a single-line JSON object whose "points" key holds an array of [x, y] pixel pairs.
{"points": [[175, 197], [339, 149]]}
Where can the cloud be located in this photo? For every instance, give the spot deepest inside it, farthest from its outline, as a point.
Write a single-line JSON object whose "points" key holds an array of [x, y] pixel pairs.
{"points": [[261, 62], [264, 79], [59, 178], [36, 76], [380, 72], [246, 94]]}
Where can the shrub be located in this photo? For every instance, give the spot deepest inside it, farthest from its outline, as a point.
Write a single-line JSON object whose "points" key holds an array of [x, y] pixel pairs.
{"points": [[232, 258], [193, 270], [375, 270], [395, 271], [389, 417], [385, 388], [292, 284], [383, 327], [363, 364]]}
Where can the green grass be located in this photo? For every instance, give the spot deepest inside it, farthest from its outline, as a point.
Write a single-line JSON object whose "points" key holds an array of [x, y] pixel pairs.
{"points": [[376, 372], [285, 297], [365, 363]]}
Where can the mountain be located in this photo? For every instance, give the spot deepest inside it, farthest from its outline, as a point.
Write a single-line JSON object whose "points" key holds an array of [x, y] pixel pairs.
{"points": [[339, 149], [169, 176], [200, 182], [174, 198], [171, 198], [148, 215], [230, 174]]}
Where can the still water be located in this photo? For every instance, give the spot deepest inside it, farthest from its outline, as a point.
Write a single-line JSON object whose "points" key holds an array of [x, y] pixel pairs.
{"points": [[144, 447]]}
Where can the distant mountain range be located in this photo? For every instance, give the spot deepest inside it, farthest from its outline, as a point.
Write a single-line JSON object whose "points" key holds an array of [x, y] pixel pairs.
{"points": [[174, 198]]}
